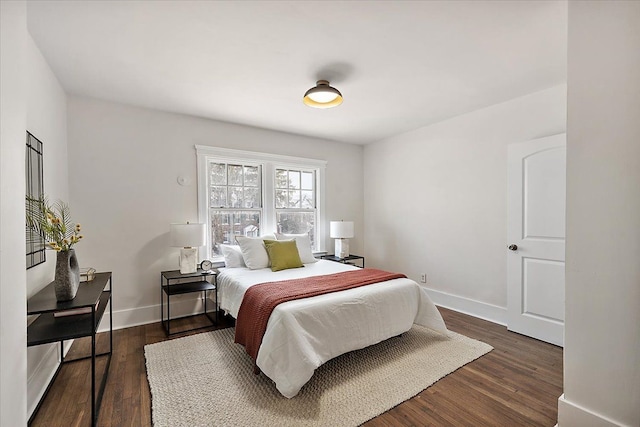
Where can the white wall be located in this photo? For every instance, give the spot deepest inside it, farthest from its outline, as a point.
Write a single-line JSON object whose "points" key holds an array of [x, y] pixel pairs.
{"points": [[13, 113], [602, 327], [123, 166], [435, 199], [47, 121]]}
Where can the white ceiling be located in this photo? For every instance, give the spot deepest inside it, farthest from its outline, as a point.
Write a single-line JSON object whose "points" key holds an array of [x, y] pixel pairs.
{"points": [[399, 65]]}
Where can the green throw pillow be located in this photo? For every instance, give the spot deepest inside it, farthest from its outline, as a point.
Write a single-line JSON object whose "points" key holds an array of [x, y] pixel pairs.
{"points": [[283, 254]]}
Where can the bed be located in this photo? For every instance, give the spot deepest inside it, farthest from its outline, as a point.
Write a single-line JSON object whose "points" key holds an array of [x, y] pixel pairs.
{"points": [[303, 334]]}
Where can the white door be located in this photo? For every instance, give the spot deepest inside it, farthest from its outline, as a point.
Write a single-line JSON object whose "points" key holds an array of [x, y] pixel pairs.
{"points": [[536, 238]]}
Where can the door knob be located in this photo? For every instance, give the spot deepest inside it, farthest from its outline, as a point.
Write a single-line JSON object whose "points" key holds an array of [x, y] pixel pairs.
{"points": [[513, 247]]}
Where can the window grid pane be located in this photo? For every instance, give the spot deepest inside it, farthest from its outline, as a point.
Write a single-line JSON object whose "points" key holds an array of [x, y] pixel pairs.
{"points": [[235, 203], [281, 178], [218, 196], [251, 198], [294, 180], [235, 175], [295, 202], [307, 181], [234, 186], [281, 199], [236, 196], [226, 224], [289, 184], [218, 172], [251, 176], [297, 222]]}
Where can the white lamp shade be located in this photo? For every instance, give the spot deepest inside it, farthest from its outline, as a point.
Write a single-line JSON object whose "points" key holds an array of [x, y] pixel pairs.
{"points": [[188, 235], [341, 229]]}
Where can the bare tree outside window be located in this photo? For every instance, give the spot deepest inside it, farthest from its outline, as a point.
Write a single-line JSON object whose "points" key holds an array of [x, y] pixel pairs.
{"points": [[235, 203], [295, 200]]}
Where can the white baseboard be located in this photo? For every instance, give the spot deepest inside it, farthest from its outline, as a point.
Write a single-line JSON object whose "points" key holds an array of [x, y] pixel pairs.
{"points": [[573, 415], [185, 307], [180, 307], [482, 310]]}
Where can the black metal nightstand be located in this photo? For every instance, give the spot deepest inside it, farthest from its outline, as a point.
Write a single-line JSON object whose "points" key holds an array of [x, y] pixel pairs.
{"points": [[174, 283], [346, 260]]}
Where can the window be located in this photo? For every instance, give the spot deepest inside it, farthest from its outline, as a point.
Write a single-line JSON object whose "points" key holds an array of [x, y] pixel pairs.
{"points": [[295, 201], [242, 193], [235, 202]]}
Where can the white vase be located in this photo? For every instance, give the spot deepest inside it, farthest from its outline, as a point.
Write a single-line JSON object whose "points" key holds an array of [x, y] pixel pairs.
{"points": [[67, 277]]}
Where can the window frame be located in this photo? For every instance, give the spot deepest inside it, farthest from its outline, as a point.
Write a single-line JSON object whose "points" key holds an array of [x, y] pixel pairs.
{"points": [[269, 163]]}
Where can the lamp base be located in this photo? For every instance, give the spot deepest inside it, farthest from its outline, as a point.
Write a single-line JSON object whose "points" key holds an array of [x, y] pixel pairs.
{"points": [[188, 260], [342, 248]]}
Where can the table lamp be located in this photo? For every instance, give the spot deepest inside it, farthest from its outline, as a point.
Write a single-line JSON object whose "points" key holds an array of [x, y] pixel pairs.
{"points": [[188, 237], [342, 231]]}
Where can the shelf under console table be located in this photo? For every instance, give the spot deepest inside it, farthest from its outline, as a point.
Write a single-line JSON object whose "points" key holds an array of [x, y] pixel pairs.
{"points": [[93, 297]]}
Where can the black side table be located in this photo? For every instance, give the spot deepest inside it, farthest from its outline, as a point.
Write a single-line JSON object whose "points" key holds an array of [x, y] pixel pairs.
{"points": [[92, 300], [174, 283], [349, 259]]}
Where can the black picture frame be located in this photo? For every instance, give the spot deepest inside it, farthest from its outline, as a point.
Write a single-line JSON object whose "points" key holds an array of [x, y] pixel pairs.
{"points": [[36, 253]]}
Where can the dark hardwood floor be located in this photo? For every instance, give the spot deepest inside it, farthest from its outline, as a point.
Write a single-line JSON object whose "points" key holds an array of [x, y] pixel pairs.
{"points": [[517, 384]]}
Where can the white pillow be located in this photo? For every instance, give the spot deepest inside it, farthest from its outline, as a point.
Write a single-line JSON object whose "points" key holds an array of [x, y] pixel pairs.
{"points": [[303, 242], [253, 251], [232, 256]]}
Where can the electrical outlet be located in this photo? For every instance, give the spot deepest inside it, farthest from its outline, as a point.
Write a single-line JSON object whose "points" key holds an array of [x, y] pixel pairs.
{"points": [[423, 278]]}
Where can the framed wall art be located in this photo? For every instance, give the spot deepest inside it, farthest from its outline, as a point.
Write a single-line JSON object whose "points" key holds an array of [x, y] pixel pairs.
{"points": [[35, 190]]}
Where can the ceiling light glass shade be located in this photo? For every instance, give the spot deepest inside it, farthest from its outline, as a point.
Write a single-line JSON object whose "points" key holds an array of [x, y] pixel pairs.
{"points": [[322, 96]]}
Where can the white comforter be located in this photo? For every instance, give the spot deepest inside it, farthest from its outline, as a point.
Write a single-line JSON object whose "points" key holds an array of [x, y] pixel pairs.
{"points": [[303, 334]]}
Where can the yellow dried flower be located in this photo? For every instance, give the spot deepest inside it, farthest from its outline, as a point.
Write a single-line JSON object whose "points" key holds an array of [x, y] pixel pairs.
{"points": [[52, 221]]}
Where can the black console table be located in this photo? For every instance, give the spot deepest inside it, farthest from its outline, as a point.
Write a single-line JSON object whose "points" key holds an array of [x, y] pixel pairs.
{"points": [[92, 297]]}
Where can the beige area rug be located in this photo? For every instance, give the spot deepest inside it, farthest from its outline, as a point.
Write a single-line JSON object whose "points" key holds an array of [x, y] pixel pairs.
{"points": [[207, 380]]}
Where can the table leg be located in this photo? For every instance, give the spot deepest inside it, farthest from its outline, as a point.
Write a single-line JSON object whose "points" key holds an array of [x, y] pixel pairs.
{"points": [[93, 368]]}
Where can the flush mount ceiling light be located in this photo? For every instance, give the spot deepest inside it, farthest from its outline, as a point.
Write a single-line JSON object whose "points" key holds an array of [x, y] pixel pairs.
{"points": [[322, 96]]}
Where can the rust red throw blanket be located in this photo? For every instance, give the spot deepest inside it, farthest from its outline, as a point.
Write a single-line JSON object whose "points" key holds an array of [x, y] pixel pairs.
{"points": [[260, 300]]}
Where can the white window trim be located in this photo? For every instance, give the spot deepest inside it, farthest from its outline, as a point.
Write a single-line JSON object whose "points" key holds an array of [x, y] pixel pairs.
{"points": [[269, 162]]}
